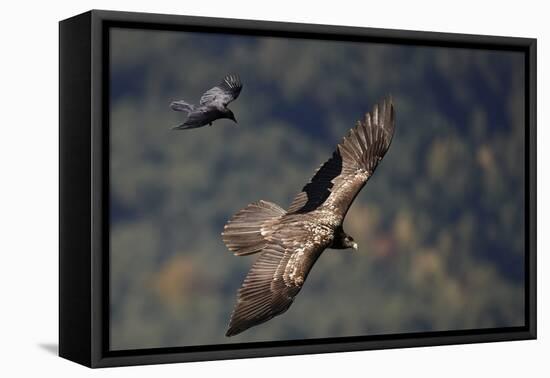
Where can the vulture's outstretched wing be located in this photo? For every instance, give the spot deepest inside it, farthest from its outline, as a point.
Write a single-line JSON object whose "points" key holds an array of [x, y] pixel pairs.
{"points": [[222, 94], [275, 278], [337, 182]]}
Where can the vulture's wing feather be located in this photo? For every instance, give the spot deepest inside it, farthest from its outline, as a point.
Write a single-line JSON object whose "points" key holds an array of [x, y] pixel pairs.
{"points": [[275, 279], [222, 94], [337, 182]]}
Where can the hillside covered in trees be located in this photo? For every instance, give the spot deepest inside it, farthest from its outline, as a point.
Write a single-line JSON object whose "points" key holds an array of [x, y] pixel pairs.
{"points": [[440, 226]]}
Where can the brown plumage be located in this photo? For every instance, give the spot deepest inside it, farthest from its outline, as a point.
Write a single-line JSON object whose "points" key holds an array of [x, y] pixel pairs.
{"points": [[291, 241]]}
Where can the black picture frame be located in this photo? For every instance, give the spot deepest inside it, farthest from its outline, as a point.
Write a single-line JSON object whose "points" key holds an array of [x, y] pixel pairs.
{"points": [[84, 188]]}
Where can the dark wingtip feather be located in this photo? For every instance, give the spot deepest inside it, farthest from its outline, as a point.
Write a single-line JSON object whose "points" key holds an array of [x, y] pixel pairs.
{"points": [[232, 82], [233, 78], [232, 331], [369, 140], [237, 329]]}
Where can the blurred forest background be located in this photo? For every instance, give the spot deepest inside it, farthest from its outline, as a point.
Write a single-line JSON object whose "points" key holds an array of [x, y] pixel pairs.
{"points": [[440, 226]]}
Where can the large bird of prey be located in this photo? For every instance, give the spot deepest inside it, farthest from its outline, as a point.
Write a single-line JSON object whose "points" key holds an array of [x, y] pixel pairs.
{"points": [[212, 105], [291, 241]]}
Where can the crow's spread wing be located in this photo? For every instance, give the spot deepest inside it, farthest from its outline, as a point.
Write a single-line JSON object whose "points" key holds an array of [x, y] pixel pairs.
{"points": [[337, 182], [275, 278], [222, 94]]}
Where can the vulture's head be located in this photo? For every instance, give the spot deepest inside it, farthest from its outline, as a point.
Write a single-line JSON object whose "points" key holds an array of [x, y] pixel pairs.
{"points": [[343, 241]]}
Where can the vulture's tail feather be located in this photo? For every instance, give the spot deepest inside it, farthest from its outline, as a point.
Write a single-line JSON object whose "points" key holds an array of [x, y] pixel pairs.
{"points": [[245, 233]]}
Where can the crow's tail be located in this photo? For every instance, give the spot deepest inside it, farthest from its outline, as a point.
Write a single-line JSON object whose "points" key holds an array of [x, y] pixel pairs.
{"points": [[182, 106]]}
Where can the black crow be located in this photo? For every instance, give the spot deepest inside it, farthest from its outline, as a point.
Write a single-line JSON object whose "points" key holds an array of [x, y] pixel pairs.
{"points": [[291, 241], [212, 106]]}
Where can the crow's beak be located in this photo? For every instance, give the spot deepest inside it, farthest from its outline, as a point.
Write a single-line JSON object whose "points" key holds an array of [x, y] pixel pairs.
{"points": [[354, 246]]}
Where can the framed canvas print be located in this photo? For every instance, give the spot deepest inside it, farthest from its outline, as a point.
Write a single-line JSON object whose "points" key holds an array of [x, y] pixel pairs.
{"points": [[233, 188]]}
